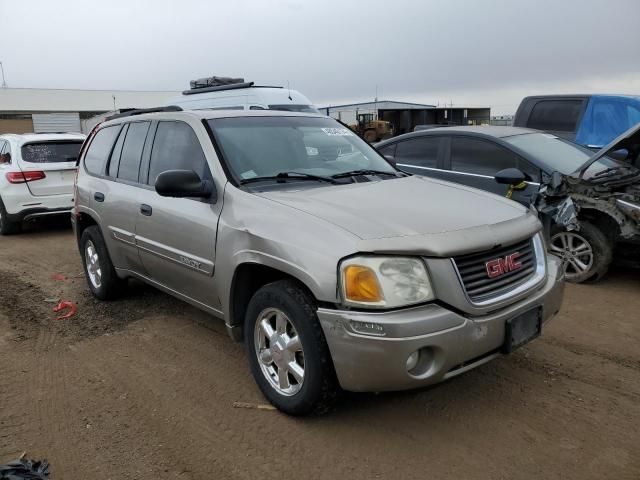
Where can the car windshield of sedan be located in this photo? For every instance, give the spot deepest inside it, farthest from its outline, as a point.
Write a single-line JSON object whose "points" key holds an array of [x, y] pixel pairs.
{"points": [[559, 154], [256, 147]]}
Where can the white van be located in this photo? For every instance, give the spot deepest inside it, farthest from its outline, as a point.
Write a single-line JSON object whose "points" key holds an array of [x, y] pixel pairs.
{"points": [[217, 93]]}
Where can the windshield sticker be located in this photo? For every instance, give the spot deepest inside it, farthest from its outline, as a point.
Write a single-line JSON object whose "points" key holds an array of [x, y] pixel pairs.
{"points": [[248, 174], [338, 132]]}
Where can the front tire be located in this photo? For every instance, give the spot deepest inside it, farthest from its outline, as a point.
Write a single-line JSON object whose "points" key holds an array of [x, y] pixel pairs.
{"points": [[99, 271], [287, 350], [7, 227], [370, 136], [587, 252]]}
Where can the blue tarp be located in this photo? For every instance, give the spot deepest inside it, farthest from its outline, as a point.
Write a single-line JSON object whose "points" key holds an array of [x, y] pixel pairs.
{"points": [[606, 117]]}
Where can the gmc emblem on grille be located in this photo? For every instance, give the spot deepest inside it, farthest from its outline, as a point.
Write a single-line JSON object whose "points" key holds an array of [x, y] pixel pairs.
{"points": [[500, 266]]}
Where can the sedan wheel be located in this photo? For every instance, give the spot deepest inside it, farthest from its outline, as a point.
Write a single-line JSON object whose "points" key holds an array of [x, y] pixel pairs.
{"points": [[279, 351], [575, 250]]}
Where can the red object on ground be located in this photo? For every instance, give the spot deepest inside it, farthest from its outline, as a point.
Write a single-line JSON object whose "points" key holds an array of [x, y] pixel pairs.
{"points": [[73, 308], [58, 276]]}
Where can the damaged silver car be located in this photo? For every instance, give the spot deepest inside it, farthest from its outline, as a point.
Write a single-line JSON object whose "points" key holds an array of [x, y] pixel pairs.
{"points": [[588, 202]]}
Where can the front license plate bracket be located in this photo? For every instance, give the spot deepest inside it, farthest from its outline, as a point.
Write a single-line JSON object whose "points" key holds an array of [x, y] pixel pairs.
{"points": [[522, 329]]}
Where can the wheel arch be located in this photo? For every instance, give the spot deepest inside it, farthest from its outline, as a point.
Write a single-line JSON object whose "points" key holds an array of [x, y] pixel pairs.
{"points": [[248, 278], [608, 224]]}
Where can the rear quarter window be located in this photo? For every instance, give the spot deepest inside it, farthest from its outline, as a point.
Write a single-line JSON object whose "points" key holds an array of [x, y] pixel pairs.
{"points": [[555, 115], [100, 149]]}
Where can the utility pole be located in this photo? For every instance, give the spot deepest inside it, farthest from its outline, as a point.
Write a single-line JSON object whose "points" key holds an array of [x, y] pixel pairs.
{"points": [[4, 84]]}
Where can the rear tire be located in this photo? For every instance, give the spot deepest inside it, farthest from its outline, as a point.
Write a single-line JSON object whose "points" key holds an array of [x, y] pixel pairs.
{"points": [[588, 252], [99, 271], [7, 227], [287, 350]]}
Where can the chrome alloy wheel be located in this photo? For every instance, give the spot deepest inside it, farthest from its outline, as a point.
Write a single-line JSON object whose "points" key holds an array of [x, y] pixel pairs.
{"points": [[575, 250], [279, 351], [93, 264]]}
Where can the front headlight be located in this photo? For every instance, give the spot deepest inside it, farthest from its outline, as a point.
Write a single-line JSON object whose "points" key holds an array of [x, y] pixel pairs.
{"points": [[384, 282]]}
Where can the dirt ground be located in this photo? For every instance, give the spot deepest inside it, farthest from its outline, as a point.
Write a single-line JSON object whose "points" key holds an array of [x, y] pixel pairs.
{"points": [[143, 388]]}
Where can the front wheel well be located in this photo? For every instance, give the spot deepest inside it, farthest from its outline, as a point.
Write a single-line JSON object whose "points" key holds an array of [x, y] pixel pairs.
{"points": [[603, 221], [247, 280]]}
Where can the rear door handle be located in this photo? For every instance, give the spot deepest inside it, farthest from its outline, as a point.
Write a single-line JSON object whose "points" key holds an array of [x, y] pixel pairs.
{"points": [[99, 196], [146, 209]]}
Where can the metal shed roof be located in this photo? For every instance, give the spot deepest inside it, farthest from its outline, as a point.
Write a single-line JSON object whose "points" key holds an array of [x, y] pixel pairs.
{"points": [[54, 100]]}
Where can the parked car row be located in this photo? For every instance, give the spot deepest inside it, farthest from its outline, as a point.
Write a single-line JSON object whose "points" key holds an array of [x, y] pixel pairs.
{"points": [[340, 267]]}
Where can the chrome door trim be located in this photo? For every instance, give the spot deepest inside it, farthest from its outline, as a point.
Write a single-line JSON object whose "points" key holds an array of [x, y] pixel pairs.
{"points": [[180, 257]]}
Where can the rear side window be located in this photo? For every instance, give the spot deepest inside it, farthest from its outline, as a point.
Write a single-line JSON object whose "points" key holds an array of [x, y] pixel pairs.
{"points": [[419, 152], [5, 152], [132, 151], [481, 157], [176, 147], [51, 152], [99, 149], [555, 115]]}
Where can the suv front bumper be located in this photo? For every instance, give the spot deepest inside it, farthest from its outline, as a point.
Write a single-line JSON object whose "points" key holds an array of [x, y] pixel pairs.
{"points": [[450, 343]]}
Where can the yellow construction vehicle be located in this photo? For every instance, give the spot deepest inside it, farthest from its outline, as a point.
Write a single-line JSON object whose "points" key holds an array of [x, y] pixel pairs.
{"points": [[370, 129]]}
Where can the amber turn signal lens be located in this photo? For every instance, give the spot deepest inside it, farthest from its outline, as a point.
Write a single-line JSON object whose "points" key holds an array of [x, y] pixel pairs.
{"points": [[361, 284]]}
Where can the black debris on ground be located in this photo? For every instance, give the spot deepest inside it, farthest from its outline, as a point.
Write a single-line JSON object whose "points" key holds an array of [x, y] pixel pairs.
{"points": [[24, 469]]}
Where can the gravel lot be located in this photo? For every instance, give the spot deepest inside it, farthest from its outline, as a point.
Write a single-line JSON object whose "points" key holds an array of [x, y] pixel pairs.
{"points": [[143, 388]]}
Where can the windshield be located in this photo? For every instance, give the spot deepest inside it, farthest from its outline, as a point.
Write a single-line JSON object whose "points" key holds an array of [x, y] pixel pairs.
{"points": [[295, 108], [559, 154], [51, 152], [266, 146]]}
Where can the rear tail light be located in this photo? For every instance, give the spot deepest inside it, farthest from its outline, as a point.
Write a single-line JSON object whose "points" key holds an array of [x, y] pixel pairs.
{"points": [[24, 177]]}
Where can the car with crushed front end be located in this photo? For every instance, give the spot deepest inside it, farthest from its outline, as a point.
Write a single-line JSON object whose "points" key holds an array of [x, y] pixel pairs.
{"points": [[589, 202], [338, 271]]}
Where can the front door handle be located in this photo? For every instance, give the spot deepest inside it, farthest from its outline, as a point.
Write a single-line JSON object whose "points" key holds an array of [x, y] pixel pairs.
{"points": [[99, 196], [146, 209]]}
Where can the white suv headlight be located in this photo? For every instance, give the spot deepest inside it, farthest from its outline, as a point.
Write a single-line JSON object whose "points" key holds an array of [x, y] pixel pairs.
{"points": [[384, 282]]}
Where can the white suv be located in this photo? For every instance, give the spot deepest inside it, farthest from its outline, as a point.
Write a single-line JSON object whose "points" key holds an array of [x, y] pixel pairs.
{"points": [[37, 172]]}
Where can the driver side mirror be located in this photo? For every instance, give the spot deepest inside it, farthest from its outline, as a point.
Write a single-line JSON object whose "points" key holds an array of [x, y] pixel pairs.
{"points": [[510, 176], [182, 184]]}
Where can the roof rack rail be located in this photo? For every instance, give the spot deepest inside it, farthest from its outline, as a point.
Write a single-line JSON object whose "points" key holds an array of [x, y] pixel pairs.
{"points": [[141, 111], [217, 88]]}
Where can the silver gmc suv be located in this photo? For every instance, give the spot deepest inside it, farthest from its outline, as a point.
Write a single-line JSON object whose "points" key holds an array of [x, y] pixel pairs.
{"points": [[334, 268]]}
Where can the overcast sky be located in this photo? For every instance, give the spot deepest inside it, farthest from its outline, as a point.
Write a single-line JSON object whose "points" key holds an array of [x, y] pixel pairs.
{"points": [[490, 52]]}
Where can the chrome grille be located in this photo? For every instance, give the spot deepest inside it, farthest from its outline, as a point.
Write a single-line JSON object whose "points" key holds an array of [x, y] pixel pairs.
{"points": [[479, 285]]}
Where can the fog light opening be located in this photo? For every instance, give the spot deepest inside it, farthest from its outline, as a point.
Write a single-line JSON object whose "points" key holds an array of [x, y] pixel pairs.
{"points": [[421, 362], [412, 360]]}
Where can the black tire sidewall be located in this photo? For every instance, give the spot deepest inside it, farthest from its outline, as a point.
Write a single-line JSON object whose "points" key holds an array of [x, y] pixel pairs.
{"points": [[318, 388], [7, 227], [110, 286]]}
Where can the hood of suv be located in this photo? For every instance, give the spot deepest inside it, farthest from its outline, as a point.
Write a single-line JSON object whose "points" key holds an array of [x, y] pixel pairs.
{"points": [[401, 207]]}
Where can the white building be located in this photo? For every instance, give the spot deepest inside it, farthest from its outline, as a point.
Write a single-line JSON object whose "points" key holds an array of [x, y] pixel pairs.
{"points": [[24, 110]]}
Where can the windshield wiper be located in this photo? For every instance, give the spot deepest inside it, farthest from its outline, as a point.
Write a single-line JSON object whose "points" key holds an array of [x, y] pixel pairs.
{"points": [[284, 176], [353, 173], [607, 171]]}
